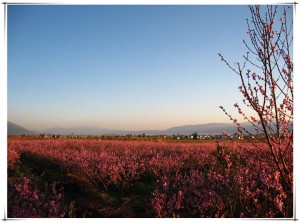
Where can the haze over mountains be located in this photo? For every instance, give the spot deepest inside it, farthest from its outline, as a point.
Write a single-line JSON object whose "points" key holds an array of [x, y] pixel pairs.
{"points": [[210, 128], [13, 129]]}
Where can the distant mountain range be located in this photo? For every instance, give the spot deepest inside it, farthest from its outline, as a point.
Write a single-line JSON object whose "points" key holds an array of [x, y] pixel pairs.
{"points": [[13, 129], [91, 130], [210, 128]]}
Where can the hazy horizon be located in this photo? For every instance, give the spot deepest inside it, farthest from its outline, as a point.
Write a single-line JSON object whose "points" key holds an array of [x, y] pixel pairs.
{"points": [[102, 127], [123, 67]]}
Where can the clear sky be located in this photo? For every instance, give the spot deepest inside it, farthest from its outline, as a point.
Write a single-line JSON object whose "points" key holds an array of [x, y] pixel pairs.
{"points": [[124, 67]]}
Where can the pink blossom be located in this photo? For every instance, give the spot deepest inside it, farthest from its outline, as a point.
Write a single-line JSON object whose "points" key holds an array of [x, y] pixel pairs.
{"points": [[52, 203], [19, 187], [35, 196], [26, 180], [254, 119]]}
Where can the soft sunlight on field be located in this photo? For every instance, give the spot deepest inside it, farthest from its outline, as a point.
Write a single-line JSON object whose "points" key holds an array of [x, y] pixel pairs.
{"points": [[92, 178]]}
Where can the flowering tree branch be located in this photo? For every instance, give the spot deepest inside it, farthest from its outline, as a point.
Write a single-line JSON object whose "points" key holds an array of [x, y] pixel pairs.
{"points": [[267, 85]]}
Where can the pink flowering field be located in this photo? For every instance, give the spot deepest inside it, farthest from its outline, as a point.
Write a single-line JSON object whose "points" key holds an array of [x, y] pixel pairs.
{"points": [[110, 178]]}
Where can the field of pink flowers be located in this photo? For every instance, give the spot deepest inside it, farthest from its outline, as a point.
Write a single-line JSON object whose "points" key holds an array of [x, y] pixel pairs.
{"points": [[91, 178]]}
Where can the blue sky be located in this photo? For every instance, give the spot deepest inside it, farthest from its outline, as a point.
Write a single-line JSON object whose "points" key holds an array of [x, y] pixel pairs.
{"points": [[123, 67]]}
